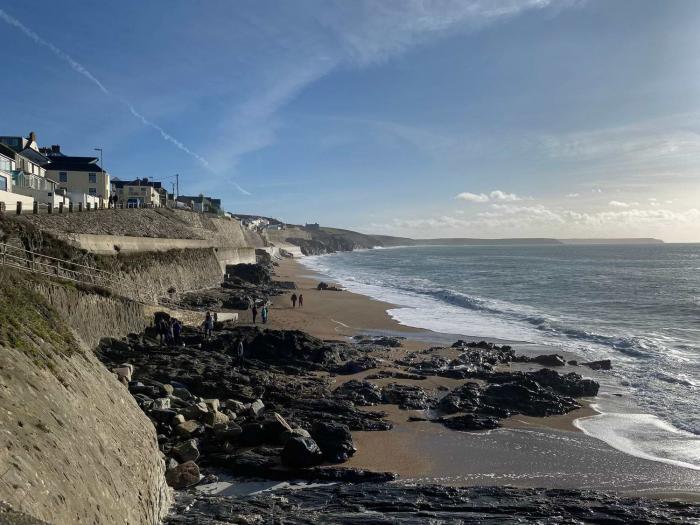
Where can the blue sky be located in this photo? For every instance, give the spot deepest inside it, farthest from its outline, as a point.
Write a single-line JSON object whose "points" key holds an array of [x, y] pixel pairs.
{"points": [[485, 118]]}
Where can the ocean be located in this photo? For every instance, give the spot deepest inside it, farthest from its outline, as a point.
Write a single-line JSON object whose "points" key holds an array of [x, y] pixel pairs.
{"points": [[638, 305]]}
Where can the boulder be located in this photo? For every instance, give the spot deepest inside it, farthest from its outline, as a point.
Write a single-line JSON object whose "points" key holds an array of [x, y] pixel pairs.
{"points": [[604, 364], [235, 406], [334, 440], [470, 422], [186, 451], [295, 432], [187, 428], [256, 408], [214, 418], [230, 432], [161, 403], [196, 411], [183, 476], [548, 360], [212, 404], [300, 452], [358, 365], [361, 393], [408, 397], [252, 434], [124, 372]]}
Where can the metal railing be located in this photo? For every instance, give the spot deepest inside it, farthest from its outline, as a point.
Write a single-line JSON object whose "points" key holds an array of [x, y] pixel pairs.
{"points": [[38, 263]]}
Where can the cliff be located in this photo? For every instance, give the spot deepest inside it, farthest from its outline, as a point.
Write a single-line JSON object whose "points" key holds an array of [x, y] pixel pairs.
{"points": [[75, 447]]}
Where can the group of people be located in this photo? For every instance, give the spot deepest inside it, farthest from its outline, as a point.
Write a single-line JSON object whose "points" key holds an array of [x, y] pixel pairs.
{"points": [[296, 299], [169, 331], [112, 200], [264, 313]]}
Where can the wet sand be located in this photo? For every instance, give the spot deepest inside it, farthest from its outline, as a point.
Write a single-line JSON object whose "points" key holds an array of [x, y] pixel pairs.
{"points": [[527, 452]]}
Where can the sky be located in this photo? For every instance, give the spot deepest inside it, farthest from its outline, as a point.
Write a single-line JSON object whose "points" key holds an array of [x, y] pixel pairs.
{"points": [[468, 118]]}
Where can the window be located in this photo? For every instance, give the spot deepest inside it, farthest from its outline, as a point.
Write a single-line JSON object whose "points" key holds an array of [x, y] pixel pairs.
{"points": [[62, 176], [3, 183], [5, 164], [92, 191], [92, 178]]}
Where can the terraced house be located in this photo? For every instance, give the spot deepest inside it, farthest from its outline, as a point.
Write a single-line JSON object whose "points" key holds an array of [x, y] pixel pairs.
{"points": [[82, 178]]}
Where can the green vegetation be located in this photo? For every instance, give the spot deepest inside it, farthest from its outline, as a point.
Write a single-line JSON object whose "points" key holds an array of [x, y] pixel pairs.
{"points": [[29, 324]]}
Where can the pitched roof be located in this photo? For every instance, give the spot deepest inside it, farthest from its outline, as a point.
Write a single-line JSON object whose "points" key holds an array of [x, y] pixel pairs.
{"points": [[65, 163]]}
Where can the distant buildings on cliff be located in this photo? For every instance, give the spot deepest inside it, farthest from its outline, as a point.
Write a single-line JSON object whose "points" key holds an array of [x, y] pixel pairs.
{"points": [[34, 177]]}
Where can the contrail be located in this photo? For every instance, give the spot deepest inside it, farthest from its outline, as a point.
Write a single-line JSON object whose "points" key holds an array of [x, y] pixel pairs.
{"points": [[238, 187], [75, 65]]}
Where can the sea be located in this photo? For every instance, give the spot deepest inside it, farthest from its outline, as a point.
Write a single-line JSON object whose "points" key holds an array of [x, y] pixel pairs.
{"points": [[638, 305]]}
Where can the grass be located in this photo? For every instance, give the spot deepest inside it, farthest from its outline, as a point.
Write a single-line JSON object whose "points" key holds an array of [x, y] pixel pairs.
{"points": [[29, 324]]}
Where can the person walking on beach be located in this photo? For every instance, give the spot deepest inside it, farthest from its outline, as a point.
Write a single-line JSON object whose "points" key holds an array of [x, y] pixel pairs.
{"points": [[239, 353], [294, 300], [255, 313], [208, 325], [301, 301]]}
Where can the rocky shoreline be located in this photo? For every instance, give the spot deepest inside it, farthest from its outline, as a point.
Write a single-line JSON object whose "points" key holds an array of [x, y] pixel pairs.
{"points": [[290, 410]]}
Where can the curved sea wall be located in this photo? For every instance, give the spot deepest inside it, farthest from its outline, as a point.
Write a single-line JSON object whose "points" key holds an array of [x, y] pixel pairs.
{"points": [[75, 447]]}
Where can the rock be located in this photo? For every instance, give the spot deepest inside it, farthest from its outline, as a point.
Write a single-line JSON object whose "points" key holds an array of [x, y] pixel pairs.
{"points": [[186, 451], [358, 365], [196, 411], [408, 397], [171, 463], [527, 397], [163, 415], [214, 418], [183, 476], [235, 406], [230, 432], [470, 422], [256, 408], [334, 440], [572, 362], [252, 273], [212, 404], [182, 393], [179, 418], [361, 393], [168, 389], [252, 434], [187, 428], [465, 398], [299, 453], [295, 432], [274, 428], [604, 364], [124, 372], [161, 403], [570, 384], [544, 360]]}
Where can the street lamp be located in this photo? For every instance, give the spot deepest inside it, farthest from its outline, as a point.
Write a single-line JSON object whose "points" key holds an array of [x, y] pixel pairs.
{"points": [[102, 166]]}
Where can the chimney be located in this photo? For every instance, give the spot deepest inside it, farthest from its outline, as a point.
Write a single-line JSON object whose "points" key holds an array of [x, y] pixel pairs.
{"points": [[32, 136], [56, 148]]}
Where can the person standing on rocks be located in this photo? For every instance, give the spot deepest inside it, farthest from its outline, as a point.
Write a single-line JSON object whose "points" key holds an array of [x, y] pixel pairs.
{"points": [[239, 353], [254, 310], [294, 300], [301, 301], [170, 332], [177, 330], [162, 330], [208, 325]]}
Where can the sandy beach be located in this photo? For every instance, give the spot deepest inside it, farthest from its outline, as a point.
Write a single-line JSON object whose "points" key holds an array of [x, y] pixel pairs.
{"points": [[527, 452]]}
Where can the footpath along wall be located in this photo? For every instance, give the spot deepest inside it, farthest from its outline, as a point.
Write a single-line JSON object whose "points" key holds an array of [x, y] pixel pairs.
{"points": [[111, 232], [75, 447]]}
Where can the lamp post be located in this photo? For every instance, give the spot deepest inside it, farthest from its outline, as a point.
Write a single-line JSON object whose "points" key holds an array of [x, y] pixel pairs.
{"points": [[102, 166]]}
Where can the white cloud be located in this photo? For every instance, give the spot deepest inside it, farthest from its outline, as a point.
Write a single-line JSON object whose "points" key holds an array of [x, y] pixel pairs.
{"points": [[619, 204], [472, 197], [572, 195], [495, 195], [499, 195]]}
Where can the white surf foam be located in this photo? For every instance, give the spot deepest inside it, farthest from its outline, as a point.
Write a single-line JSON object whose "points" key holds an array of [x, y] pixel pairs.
{"points": [[644, 436]]}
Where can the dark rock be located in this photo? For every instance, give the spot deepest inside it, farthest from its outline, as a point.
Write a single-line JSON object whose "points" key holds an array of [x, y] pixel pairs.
{"points": [[380, 503], [382, 374], [470, 422], [604, 364], [358, 365], [334, 440], [252, 434], [544, 360], [186, 451], [408, 397], [252, 273], [183, 476], [301, 452], [361, 393], [570, 384], [527, 397]]}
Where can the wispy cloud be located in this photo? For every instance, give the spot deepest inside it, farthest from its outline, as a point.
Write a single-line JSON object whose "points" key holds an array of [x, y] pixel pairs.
{"points": [[495, 195], [79, 68]]}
